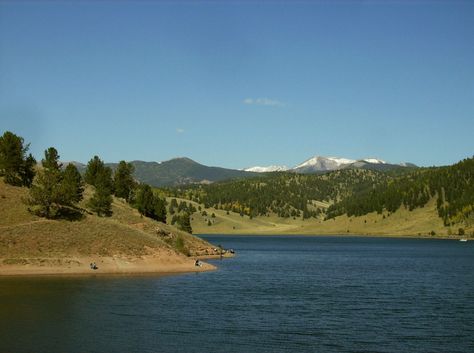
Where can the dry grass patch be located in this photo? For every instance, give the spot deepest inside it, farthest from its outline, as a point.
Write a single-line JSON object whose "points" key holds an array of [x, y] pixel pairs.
{"points": [[126, 233], [13, 210], [419, 222]]}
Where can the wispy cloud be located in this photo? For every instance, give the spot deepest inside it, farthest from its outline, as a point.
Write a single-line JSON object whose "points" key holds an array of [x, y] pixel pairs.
{"points": [[179, 130], [263, 101]]}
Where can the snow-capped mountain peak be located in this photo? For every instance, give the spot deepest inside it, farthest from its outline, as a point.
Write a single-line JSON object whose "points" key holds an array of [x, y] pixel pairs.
{"points": [[318, 164], [374, 161], [341, 161], [271, 168], [325, 163]]}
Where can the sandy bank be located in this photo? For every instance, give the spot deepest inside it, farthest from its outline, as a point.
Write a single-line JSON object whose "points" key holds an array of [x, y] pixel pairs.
{"points": [[106, 265]]}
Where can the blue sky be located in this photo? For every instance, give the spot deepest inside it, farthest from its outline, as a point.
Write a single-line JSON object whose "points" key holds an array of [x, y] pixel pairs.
{"points": [[237, 84]]}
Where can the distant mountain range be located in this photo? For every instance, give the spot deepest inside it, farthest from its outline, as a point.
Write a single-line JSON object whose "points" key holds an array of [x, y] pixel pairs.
{"points": [[319, 164], [269, 169], [178, 171], [183, 171]]}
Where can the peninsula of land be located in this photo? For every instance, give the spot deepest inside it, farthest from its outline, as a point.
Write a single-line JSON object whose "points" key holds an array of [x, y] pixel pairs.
{"points": [[124, 243]]}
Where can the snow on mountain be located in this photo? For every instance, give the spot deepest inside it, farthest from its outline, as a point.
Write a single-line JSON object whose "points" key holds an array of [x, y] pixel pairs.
{"points": [[341, 161], [322, 160], [374, 161], [319, 163], [407, 164], [271, 168], [322, 164]]}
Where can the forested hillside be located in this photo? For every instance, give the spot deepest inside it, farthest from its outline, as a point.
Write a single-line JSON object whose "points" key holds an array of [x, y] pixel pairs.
{"points": [[351, 192], [452, 186], [284, 194]]}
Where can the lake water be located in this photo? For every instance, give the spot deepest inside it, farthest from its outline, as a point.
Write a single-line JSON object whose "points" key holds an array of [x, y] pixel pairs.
{"points": [[279, 294]]}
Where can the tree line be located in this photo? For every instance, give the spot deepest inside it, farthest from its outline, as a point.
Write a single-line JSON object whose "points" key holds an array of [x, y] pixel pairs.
{"points": [[355, 192], [284, 194], [452, 186], [56, 190]]}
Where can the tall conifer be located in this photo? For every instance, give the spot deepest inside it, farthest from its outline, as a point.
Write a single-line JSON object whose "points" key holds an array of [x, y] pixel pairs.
{"points": [[15, 166]]}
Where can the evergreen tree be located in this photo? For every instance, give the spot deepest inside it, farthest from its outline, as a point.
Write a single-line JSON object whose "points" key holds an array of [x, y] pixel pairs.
{"points": [[44, 194], [101, 201], [144, 200], [123, 180], [184, 223], [47, 191], [93, 169], [15, 166], [160, 209], [51, 160], [150, 205], [72, 185], [27, 171]]}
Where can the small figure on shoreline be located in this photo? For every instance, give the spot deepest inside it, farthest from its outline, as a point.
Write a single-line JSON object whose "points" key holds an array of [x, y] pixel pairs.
{"points": [[93, 266], [198, 263]]}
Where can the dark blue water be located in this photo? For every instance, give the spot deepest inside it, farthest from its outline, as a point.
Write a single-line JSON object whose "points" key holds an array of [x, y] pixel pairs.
{"points": [[279, 294]]}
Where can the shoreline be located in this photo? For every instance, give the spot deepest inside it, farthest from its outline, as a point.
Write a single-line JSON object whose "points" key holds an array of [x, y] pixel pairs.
{"points": [[353, 235], [80, 266]]}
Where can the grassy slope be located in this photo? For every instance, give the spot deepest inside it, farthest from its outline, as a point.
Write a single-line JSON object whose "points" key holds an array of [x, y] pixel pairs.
{"points": [[419, 222], [126, 233]]}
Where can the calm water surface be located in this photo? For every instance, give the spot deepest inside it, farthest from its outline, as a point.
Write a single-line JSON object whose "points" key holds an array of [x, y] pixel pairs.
{"points": [[279, 294]]}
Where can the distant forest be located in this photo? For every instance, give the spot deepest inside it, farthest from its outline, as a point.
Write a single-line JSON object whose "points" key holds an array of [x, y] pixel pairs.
{"points": [[354, 192], [285, 194], [56, 190], [453, 188]]}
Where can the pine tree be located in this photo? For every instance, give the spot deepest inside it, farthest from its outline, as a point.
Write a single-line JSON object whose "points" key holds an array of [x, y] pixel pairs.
{"points": [[160, 209], [46, 191], [184, 223], [101, 201], [16, 168], [150, 205], [51, 160], [144, 200], [72, 185], [27, 171], [123, 180], [43, 195], [93, 169]]}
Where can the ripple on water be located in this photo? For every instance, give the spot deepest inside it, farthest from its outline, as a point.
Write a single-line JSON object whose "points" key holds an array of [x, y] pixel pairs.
{"points": [[279, 294]]}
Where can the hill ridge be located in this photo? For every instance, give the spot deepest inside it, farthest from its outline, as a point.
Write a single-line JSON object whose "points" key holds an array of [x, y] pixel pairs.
{"points": [[29, 244]]}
